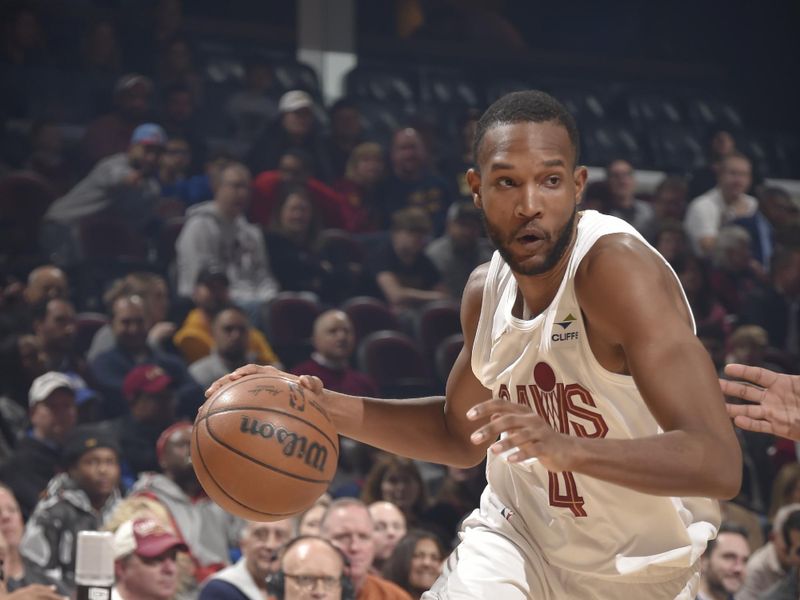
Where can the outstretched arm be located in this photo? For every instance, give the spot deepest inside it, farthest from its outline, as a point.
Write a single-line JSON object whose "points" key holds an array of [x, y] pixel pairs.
{"points": [[636, 318], [433, 429], [775, 397]]}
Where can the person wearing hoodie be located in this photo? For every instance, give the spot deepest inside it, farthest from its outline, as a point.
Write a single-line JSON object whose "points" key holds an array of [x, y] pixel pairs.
{"points": [[79, 499], [217, 234], [208, 531]]}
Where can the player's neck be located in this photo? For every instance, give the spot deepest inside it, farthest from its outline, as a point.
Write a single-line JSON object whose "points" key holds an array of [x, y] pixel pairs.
{"points": [[538, 291]]}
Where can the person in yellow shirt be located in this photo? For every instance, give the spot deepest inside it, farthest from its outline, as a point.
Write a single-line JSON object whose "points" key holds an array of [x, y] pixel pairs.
{"points": [[194, 338]]}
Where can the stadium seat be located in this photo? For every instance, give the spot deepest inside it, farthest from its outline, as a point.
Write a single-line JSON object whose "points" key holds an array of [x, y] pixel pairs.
{"points": [[707, 113], [395, 363], [606, 141], [86, 326], [369, 315], [382, 85], [106, 238], [289, 321], [645, 109], [435, 322], [446, 354], [675, 148], [24, 198]]}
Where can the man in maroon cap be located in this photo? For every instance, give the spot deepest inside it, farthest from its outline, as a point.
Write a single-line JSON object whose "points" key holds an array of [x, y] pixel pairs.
{"points": [[145, 561], [152, 401]]}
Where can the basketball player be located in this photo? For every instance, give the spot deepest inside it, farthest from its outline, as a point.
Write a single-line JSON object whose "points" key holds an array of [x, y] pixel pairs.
{"points": [[777, 400], [580, 355]]}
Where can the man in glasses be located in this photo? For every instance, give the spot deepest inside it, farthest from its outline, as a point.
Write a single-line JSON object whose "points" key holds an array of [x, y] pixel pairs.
{"points": [[145, 561], [312, 568]]}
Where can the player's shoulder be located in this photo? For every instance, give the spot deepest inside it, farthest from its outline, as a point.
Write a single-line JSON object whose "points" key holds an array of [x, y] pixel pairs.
{"points": [[473, 291], [622, 254]]}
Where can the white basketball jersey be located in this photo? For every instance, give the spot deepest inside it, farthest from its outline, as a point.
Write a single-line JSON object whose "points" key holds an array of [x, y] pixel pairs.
{"points": [[579, 523]]}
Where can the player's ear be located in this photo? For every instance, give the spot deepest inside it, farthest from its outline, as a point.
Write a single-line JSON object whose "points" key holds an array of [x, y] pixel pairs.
{"points": [[474, 182], [580, 174]]}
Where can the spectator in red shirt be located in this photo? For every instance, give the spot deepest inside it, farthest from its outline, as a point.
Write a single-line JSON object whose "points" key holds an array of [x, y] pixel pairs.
{"points": [[360, 187], [333, 339], [269, 188]]}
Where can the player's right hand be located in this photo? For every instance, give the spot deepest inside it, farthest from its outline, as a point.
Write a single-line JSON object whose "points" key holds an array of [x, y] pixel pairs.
{"points": [[310, 382]]}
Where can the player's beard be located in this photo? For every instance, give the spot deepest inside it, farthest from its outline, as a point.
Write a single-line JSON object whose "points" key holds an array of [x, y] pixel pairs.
{"points": [[558, 250]]}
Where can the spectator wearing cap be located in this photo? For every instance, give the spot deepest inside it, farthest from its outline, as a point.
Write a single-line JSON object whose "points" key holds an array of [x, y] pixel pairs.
{"points": [[145, 561], [37, 458], [230, 328], [122, 187], [461, 248], [217, 234], [77, 500], [129, 325], [295, 127], [195, 339], [208, 530], [152, 403], [109, 134], [404, 274]]}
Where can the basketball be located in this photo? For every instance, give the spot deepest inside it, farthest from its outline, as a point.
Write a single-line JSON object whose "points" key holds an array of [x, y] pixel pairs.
{"points": [[264, 447]]}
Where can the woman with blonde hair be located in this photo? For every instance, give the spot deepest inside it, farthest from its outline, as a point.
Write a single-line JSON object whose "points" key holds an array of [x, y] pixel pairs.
{"points": [[360, 187]]}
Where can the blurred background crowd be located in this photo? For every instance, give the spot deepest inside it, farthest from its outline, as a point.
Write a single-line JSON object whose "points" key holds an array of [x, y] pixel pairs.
{"points": [[180, 196]]}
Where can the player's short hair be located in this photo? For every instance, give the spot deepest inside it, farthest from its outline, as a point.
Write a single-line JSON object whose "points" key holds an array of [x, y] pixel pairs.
{"points": [[532, 106]]}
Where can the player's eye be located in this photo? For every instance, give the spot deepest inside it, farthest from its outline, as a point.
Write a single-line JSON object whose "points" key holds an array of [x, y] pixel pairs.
{"points": [[505, 182], [553, 180]]}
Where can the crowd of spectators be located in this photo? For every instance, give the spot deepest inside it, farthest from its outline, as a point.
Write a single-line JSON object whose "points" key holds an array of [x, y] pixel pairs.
{"points": [[160, 263]]}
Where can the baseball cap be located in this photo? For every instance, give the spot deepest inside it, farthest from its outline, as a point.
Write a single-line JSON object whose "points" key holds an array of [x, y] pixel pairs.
{"points": [[46, 384], [294, 100], [148, 379], [150, 134], [86, 438], [146, 538], [162, 440]]}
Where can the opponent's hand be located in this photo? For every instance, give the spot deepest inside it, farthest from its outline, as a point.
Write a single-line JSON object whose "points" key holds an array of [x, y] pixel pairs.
{"points": [[776, 398], [310, 382], [528, 435]]}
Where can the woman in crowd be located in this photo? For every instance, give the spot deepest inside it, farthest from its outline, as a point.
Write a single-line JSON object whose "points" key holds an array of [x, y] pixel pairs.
{"points": [[360, 187], [397, 480], [19, 571], [416, 562], [290, 243]]}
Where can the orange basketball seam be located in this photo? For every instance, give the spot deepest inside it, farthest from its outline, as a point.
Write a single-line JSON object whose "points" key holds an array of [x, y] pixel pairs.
{"points": [[258, 462], [221, 488]]}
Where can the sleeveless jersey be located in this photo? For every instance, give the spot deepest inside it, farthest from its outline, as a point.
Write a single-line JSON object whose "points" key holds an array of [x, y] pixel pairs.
{"points": [[577, 522]]}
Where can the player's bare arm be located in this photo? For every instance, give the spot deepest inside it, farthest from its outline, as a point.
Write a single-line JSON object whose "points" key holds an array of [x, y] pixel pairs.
{"points": [[433, 429], [633, 330], [773, 400]]}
